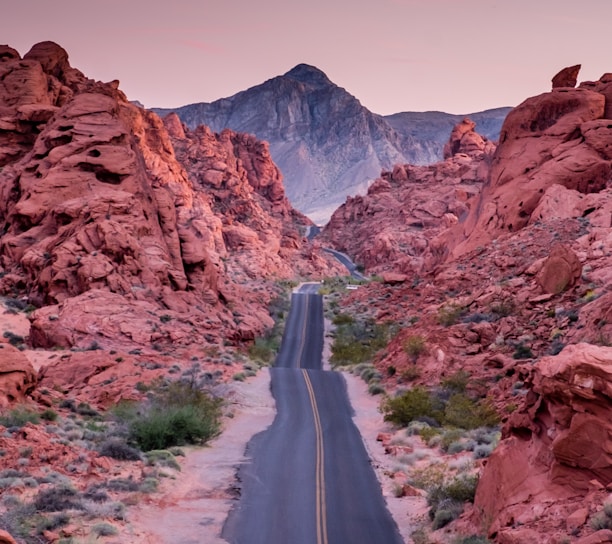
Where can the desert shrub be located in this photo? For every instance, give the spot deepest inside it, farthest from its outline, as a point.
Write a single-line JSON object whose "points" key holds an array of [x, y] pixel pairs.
{"points": [[239, 377], [57, 499], [602, 520], [18, 417], [482, 451], [104, 529], [358, 341], [457, 382], [411, 373], [414, 403], [343, 319], [52, 523], [449, 496], [504, 308], [449, 437], [449, 314], [427, 433], [96, 494], [49, 415], [162, 457], [14, 339], [521, 351], [181, 414], [461, 411], [149, 485], [375, 389], [420, 537], [117, 448], [84, 409], [443, 516], [121, 484], [263, 350], [414, 346]]}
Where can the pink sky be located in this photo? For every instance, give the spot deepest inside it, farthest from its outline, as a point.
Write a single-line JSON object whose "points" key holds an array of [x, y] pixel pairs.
{"points": [[458, 56]]}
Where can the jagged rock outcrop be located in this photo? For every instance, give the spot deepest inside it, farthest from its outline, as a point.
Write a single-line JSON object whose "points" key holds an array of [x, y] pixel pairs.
{"points": [[392, 227], [556, 453], [327, 144], [17, 376], [557, 138], [101, 219], [566, 77]]}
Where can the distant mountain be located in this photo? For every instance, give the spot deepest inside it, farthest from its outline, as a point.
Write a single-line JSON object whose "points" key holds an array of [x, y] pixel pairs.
{"points": [[327, 145], [435, 127]]}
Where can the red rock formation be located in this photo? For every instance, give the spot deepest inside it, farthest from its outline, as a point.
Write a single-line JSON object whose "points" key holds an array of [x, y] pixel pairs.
{"points": [[560, 138], [392, 227], [566, 77], [101, 219], [556, 448], [559, 271], [17, 376]]}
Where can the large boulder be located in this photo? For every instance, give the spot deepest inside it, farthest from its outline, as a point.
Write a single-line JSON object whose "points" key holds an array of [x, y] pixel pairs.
{"points": [[17, 376], [566, 77], [557, 447]]}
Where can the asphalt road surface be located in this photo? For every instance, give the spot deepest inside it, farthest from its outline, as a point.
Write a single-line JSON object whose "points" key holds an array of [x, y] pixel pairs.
{"points": [[346, 261], [309, 480]]}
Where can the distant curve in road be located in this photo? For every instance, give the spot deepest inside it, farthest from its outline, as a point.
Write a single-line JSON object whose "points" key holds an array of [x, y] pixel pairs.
{"points": [[309, 480], [346, 261]]}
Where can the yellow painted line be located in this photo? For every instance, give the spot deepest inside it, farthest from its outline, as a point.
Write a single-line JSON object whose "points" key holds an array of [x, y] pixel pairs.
{"points": [[321, 507]]}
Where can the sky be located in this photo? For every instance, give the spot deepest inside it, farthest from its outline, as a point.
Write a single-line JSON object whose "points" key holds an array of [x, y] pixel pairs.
{"points": [[457, 56]]}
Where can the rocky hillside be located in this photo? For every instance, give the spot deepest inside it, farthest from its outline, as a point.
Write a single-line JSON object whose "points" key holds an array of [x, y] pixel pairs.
{"points": [[327, 145], [511, 294], [390, 228], [116, 243]]}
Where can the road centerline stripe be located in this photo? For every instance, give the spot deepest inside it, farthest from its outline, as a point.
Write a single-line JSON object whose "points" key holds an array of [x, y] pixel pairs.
{"points": [[320, 507]]}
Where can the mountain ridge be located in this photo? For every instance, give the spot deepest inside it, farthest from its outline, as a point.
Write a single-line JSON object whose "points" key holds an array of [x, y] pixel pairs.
{"points": [[326, 143]]}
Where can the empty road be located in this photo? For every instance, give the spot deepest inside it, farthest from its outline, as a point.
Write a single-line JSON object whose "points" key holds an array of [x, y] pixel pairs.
{"points": [[309, 480]]}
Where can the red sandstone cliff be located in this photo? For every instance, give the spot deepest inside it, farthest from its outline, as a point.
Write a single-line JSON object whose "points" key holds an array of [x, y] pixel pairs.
{"points": [[102, 219]]}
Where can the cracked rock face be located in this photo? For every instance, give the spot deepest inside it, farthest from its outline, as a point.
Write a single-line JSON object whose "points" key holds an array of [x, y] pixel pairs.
{"points": [[556, 138], [106, 227], [558, 446]]}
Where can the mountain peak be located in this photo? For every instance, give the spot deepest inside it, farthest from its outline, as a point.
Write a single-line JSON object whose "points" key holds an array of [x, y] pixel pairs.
{"points": [[305, 73]]}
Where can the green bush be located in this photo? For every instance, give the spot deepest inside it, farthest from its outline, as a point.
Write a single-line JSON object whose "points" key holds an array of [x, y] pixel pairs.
{"points": [[414, 346], [164, 458], [104, 529], [117, 448], [19, 416], [457, 382], [444, 516], [522, 351], [449, 314], [461, 411], [375, 389], [176, 416], [57, 499], [413, 404], [358, 341], [448, 497]]}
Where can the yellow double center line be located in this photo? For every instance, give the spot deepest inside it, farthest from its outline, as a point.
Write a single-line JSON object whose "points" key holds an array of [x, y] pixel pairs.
{"points": [[321, 511]]}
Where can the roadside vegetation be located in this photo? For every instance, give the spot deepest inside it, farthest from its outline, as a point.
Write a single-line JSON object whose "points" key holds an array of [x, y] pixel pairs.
{"points": [[263, 351], [36, 499]]}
